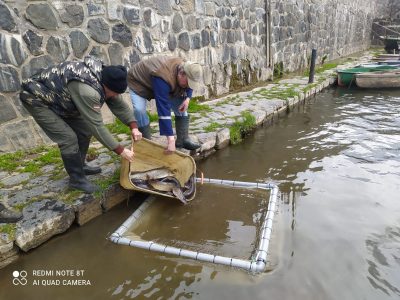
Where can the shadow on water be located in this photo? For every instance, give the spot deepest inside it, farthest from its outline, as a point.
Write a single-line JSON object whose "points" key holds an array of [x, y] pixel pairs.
{"points": [[336, 233]]}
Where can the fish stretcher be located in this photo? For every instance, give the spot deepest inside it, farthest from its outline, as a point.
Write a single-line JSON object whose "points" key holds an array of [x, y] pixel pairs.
{"points": [[150, 157]]}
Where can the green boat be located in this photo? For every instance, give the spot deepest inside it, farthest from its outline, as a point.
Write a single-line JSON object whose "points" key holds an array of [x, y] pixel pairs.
{"points": [[347, 77]]}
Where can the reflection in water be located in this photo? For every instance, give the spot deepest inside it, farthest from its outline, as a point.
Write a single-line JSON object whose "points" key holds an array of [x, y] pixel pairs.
{"points": [[336, 233], [385, 261], [337, 164], [159, 284]]}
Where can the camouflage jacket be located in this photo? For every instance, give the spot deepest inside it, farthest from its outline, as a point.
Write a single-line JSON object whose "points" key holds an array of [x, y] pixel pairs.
{"points": [[49, 86]]}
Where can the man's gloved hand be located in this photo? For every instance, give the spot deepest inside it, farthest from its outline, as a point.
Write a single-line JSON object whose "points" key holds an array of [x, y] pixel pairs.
{"points": [[136, 134], [127, 154], [170, 145]]}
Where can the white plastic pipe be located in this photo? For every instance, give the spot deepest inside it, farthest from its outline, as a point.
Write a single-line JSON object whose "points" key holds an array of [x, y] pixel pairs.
{"points": [[256, 265]]}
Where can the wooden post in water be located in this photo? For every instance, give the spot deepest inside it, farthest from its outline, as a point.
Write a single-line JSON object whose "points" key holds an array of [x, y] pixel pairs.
{"points": [[312, 66]]}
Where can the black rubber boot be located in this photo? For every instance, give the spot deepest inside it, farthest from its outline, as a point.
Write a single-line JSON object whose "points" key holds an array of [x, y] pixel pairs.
{"points": [[182, 134], [88, 170], [74, 167], [146, 131], [9, 216], [83, 148]]}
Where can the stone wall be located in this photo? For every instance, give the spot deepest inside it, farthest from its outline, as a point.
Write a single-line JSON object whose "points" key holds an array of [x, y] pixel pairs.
{"points": [[334, 27], [225, 36], [394, 9], [232, 39]]}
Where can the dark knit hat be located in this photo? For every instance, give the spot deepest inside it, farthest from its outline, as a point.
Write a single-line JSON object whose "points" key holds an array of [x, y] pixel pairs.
{"points": [[115, 78]]}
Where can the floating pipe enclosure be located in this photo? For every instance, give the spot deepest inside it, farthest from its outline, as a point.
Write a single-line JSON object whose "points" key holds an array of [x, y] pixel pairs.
{"points": [[256, 265]]}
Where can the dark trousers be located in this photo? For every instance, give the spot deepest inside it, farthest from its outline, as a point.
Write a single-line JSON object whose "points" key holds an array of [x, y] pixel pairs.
{"points": [[71, 134]]}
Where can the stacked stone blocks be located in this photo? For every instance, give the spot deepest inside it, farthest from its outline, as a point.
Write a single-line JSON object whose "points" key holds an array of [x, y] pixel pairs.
{"points": [[36, 34]]}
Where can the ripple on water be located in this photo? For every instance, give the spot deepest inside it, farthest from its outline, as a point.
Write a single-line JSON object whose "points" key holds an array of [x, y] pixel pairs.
{"points": [[384, 260]]}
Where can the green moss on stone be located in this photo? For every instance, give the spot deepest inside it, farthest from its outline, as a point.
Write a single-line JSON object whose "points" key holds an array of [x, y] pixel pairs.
{"points": [[198, 99], [70, 196], [8, 229], [322, 68], [104, 183], [21, 206], [278, 70], [10, 161], [31, 160], [212, 127], [245, 77]]}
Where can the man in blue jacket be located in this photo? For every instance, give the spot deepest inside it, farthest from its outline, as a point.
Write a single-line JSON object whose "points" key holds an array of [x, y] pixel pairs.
{"points": [[170, 81]]}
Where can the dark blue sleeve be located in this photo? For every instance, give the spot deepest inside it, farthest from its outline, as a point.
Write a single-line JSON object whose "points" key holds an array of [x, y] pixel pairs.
{"points": [[189, 92], [161, 90]]}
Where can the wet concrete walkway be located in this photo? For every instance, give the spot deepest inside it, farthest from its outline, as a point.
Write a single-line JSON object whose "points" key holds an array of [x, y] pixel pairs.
{"points": [[49, 208]]}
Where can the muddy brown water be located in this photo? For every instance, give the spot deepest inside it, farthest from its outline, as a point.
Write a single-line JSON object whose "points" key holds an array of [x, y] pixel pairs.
{"points": [[336, 234]]}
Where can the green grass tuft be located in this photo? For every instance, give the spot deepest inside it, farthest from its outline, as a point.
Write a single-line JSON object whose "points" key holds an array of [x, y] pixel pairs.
{"points": [[92, 154], [31, 167], [309, 87], [118, 127], [31, 160], [8, 229], [195, 106], [212, 127], [240, 128], [153, 117], [235, 133], [107, 182], [69, 196], [322, 68], [283, 94], [10, 161]]}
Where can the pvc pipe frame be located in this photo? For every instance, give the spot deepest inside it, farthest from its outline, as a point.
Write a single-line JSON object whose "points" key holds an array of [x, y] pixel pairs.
{"points": [[258, 264]]}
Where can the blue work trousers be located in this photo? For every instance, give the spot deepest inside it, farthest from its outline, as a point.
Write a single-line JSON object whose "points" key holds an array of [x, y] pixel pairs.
{"points": [[139, 108]]}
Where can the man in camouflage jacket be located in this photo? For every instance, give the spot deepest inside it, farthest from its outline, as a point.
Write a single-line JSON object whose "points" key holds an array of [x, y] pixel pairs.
{"points": [[66, 99]]}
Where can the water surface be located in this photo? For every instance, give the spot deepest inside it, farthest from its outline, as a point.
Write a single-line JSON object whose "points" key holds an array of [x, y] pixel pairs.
{"points": [[336, 234]]}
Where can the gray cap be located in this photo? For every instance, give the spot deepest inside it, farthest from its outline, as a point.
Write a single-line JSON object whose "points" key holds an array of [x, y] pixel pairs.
{"points": [[194, 73]]}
